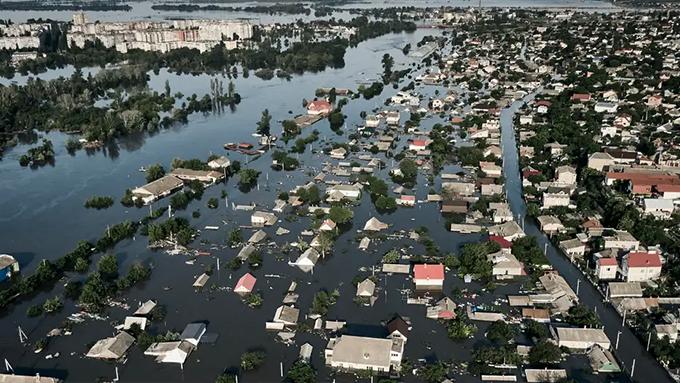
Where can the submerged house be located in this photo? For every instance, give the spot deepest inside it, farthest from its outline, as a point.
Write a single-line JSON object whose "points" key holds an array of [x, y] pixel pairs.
{"points": [[170, 352], [428, 276], [349, 352], [157, 189], [111, 348]]}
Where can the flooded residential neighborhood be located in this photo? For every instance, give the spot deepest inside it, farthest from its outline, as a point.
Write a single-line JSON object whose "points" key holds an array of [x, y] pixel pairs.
{"points": [[339, 191]]}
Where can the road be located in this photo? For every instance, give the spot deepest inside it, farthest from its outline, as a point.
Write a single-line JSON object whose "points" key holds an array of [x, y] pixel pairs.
{"points": [[630, 349]]}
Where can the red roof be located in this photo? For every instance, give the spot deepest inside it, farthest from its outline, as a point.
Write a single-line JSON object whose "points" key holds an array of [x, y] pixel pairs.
{"points": [[580, 97], [431, 271], [408, 197], [319, 105], [505, 244], [642, 259], [607, 261], [543, 103], [447, 314], [245, 283], [663, 188], [420, 142]]}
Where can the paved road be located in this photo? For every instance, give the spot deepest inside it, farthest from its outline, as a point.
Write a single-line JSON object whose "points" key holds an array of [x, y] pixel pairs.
{"points": [[630, 348]]}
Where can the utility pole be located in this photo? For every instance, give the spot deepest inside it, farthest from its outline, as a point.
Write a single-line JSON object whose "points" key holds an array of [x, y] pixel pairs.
{"points": [[22, 335], [632, 370], [618, 335], [623, 322], [649, 340], [578, 286]]}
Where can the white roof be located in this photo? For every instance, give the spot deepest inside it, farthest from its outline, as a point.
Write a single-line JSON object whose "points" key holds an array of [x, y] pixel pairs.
{"points": [[659, 204], [349, 349]]}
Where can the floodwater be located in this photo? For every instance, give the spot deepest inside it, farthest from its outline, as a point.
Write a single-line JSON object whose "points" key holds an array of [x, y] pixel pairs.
{"points": [[43, 218], [142, 10]]}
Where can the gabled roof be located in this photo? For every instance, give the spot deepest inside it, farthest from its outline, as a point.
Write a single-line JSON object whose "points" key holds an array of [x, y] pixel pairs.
{"points": [[429, 271], [504, 243], [643, 259], [398, 324], [245, 283]]}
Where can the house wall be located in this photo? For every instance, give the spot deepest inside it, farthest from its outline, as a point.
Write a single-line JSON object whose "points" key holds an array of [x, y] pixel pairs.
{"points": [[642, 274]]}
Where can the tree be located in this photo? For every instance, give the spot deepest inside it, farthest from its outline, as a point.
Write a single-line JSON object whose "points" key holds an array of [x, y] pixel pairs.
{"points": [[154, 172], [108, 267], [391, 256], [387, 64], [459, 329], [52, 305], [385, 203], [409, 169], [582, 316], [534, 329], [235, 238], [264, 125], [474, 261], [323, 300], [301, 372], [226, 378], [94, 292], [433, 372], [248, 177], [340, 215], [252, 360], [213, 203], [500, 332], [336, 119], [544, 352]]}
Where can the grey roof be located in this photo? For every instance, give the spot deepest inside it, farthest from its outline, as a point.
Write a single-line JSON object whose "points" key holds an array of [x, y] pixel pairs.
{"points": [[375, 224], [625, 289], [306, 352], [162, 185], [201, 280], [193, 331], [145, 308], [586, 335], [366, 288], [257, 236], [545, 375], [286, 314], [111, 348]]}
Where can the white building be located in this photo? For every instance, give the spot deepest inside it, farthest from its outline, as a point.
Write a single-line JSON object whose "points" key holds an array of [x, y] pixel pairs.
{"points": [[659, 207], [641, 266], [349, 352], [555, 199]]}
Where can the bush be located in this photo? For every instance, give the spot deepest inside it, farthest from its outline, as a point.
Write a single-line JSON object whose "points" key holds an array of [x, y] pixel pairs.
{"points": [[301, 372], [213, 203], [98, 203], [34, 311], [52, 305], [252, 360]]}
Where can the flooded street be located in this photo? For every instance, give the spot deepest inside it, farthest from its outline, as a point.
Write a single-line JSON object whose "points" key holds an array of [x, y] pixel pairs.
{"points": [[42, 217]]}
